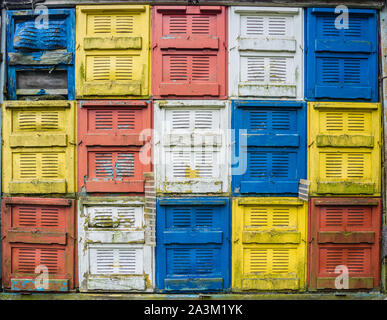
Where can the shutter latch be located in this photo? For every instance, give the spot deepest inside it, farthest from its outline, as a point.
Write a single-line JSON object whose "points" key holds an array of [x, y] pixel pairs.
{"points": [[236, 240]]}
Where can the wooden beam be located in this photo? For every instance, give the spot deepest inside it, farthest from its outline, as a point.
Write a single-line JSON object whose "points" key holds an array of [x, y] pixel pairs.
{"points": [[375, 4]]}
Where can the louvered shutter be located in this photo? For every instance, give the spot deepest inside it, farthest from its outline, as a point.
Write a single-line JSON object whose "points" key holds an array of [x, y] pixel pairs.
{"points": [[112, 150], [344, 144], [266, 52], [269, 150], [345, 232], [191, 143], [269, 251], [112, 51], [192, 244], [38, 234], [189, 51], [39, 147], [40, 54], [114, 254], [342, 62]]}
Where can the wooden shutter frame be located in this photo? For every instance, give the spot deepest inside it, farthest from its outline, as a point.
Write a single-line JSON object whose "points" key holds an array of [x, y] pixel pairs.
{"points": [[355, 282], [234, 83], [183, 283], [33, 235], [36, 64], [128, 239], [40, 142], [356, 143], [189, 46], [312, 90], [88, 142], [274, 238], [191, 185], [140, 88], [238, 108]]}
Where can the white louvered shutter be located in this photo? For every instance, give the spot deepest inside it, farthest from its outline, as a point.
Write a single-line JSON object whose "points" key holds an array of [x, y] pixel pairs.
{"points": [[119, 260], [266, 53], [113, 252], [192, 145]]}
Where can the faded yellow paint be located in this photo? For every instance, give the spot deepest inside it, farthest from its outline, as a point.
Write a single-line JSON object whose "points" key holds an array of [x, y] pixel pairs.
{"points": [[39, 147], [191, 173], [268, 244], [112, 52], [344, 146]]}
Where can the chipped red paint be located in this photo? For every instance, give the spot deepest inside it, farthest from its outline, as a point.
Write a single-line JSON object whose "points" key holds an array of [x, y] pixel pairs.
{"points": [[111, 142], [189, 52], [344, 231], [38, 232]]}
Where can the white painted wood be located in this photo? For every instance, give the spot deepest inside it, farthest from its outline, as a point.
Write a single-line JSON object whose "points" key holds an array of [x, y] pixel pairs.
{"points": [[266, 53], [112, 253], [192, 144]]}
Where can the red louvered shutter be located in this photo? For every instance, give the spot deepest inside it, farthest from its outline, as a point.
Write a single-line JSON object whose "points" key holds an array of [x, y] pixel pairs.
{"points": [[112, 145], [344, 232], [189, 52], [38, 234]]}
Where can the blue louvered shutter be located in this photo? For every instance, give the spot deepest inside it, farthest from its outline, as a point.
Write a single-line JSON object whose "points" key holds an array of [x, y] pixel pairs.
{"points": [[342, 63], [40, 54], [192, 244], [274, 150]]}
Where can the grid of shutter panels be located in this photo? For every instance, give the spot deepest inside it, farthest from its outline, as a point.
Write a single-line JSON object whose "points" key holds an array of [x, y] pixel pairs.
{"points": [[342, 63], [269, 251], [266, 52], [344, 234], [113, 252], [113, 141], [40, 49], [38, 235], [39, 147], [192, 146], [189, 52], [113, 52], [192, 249], [344, 148], [269, 155]]}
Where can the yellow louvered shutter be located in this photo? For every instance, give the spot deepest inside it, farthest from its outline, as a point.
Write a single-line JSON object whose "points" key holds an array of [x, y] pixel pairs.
{"points": [[112, 58], [269, 251], [344, 148], [39, 147]]}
